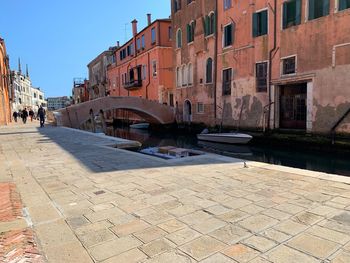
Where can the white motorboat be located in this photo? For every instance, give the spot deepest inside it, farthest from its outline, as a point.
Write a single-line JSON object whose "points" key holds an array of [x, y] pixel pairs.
{"points": [[143, 125], [231, 138]]}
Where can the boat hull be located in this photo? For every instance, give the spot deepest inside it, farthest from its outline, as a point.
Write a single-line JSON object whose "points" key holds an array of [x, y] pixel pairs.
{"points": [[140, 126], [229, 138]]}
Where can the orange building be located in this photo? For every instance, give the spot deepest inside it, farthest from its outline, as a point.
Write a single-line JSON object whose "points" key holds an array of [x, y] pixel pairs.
{"points": [[5, 86], [284, 64], [143, 65]]}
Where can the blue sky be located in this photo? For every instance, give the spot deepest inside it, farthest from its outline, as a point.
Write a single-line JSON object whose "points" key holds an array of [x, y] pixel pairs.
{"points": [[58, 38]]}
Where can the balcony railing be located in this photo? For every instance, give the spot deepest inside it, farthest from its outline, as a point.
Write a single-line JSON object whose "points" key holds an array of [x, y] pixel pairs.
{"points": [[134, 84]]}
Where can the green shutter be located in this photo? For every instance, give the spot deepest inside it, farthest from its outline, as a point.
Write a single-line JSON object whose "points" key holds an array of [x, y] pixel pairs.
{"points": [[344, 4], [325, 7], [285, 14], [207, 25], [311, 9], [255, 25], [264, 22], [298, 12], [188, 29], [214, 24]]}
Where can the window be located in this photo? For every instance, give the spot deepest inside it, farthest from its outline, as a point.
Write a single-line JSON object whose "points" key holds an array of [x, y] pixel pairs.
{"points": [[200, 107], [154, 68], [35, 95], [190, 74], [291, 13], [209, 24], [190, 31], [288, 66], [228, 35], [344, 4], [209, 71], [170, 32], [143, 44], [178, 77], [227, 4], [122, 54], [261, 77], [226, 81], [138, 44], [179, 38], [144, 72], [153, 35], [189, 1], [260, 23], [183, 74], [318, 8], [177, 5]]}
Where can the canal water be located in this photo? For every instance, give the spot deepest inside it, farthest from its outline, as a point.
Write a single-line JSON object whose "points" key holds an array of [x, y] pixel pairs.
{"points": [[310, 160]]}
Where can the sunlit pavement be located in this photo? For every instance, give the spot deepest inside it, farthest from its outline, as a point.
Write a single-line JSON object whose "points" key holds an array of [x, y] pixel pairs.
{"points": [[89, 202]]}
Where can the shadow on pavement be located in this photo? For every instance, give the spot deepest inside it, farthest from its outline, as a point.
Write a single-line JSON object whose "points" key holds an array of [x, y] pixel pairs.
{"points": [[87, 149]]}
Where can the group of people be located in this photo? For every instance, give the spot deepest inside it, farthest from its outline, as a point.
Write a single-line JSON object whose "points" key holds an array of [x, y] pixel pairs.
{"points": [[24, 114]]}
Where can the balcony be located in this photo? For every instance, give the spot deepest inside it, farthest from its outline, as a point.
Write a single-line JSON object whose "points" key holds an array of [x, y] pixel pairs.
{"points": [[133, 84]]}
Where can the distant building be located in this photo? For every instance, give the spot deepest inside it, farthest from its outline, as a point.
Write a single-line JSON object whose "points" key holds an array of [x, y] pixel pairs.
{"points": [[25, 95], [55, 103], [98, 84], [143, 66], [5, 86], [79, 91]]}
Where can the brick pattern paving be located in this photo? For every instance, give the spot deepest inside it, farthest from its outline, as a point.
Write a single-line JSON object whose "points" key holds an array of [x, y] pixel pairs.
{"points": [[19, 246], [124, 207], [10, 202]]}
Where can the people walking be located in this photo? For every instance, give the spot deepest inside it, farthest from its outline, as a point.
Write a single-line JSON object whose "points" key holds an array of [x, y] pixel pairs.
{"points": [[41, 114], [31, 115], [24, 115], [15, 115]]}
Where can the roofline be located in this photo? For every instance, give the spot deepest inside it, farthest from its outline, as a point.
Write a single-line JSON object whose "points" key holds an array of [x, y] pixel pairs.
{"points": [[103, 52]]}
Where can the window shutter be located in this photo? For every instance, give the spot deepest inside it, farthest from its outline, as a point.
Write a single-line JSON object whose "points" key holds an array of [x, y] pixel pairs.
{"points": [[311, 9], [214, 22], [298, 12], [207, 25], [255, 25], [285, 14], [325, 7], [233, 32], [188, 33], [264, 22]]}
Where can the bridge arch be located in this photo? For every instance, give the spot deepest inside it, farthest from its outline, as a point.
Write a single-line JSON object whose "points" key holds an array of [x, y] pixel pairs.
{"points": [[152, 111]]}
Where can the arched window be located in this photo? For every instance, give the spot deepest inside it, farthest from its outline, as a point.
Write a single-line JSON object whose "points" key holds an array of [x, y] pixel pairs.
{"points": [[183, 73], [210, 24], [179, 38], [209, 70], [178, 77], [190, 74]]}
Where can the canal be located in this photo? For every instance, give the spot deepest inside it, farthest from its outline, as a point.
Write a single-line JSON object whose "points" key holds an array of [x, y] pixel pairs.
{"points": [[309, 160]]}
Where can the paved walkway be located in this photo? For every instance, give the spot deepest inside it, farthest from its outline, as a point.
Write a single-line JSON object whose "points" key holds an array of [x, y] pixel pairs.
{"points": [[89, 202]]}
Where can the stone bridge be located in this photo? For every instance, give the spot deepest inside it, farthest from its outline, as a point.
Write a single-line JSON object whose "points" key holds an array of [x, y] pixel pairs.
{"points": [[151, 111]]}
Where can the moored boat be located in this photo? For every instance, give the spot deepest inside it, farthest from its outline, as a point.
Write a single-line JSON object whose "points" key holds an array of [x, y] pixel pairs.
{"points": [[230, 138], [143, 125]]}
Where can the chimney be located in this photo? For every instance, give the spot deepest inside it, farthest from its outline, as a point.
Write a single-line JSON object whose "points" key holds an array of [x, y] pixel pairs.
{"points": [[118, 44], [149, 19], [134, 27]]}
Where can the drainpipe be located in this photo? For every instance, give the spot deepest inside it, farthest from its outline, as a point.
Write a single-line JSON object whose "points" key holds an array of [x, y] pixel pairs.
{"points": [[149, 74], [270, 60], [216, 57]]}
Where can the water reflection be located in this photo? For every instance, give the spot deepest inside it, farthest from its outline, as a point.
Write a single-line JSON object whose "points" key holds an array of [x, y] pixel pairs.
{"points": [[315, 160]]}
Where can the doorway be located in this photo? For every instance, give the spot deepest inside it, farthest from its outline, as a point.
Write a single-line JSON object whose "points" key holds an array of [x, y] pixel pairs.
{"points": [[187, 111], [293, 106]]}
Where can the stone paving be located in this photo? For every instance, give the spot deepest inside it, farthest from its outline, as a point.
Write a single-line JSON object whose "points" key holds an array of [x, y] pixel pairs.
{"points": [[89, 202]]}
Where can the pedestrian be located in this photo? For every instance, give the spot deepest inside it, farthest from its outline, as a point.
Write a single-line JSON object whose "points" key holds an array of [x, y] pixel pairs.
{"points": [[15, 115], [24, 115], [41, 114], [31, 115]]}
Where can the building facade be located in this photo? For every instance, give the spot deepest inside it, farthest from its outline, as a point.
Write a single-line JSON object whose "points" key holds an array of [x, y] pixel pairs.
{"points": [[98, 84], [80, 91], [143, 65], [38, 99], [194, 57], [278, 64], [55, 103], [5, 86]]}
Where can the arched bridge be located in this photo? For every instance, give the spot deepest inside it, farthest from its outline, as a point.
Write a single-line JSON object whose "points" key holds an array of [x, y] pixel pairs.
{"points": [[151, 111]]}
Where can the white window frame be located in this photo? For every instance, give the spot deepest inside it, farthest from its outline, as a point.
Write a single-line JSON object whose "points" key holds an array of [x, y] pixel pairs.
{"points": [[296, 65]]}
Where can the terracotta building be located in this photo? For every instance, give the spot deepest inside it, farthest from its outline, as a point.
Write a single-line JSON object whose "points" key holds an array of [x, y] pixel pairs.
{"points": [[5, 86], [194, 34], [143, 65], [98, 84], [80, 90], [277, 63]]}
